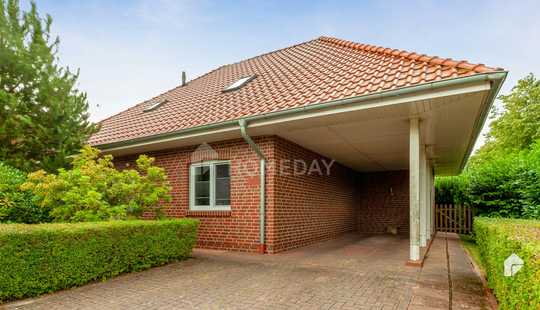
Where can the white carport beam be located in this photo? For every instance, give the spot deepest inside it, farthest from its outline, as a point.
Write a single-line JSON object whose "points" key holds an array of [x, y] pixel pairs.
{"points": [[414, 189]]}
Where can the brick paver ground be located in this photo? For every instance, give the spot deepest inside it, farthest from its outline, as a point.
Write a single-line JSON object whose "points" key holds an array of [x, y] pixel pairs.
{"points": [[351, 272]]}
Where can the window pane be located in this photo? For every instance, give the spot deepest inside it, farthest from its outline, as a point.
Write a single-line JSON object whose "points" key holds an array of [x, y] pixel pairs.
{"points": [[202, 186], [202, 189], [202, 201], [222, 191], [223, 185], [222, 171], [202, 173]]}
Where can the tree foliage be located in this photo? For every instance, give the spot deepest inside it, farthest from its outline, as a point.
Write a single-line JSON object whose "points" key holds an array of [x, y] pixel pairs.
{"points": [[43, 117], [516, 126], [503, 178], [450, 190], [93, 190], [500, 186], [16, 206]]}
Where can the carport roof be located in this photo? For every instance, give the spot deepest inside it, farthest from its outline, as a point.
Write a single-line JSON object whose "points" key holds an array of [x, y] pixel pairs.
{"points": [[320, 70]]}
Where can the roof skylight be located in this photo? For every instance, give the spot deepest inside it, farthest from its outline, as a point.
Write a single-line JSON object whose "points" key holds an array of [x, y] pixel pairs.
{"points": [[155, 105], [239, 83]]}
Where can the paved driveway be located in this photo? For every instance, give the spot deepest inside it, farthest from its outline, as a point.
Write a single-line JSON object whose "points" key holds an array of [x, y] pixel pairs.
{"points": [[351, 272]]}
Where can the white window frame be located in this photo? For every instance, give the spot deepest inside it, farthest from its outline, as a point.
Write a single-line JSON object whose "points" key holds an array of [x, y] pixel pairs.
{"points": [[212, 207], [239, 83]]}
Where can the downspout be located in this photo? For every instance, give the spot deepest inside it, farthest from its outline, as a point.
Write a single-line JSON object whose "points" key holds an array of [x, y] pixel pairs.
{"points": [[262, 184]]}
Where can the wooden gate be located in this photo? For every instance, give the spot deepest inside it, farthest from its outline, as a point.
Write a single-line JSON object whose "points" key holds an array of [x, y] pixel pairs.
{"points": [[454, 218]]}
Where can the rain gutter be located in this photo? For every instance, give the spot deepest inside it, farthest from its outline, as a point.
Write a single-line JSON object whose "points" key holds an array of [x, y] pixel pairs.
{"points": [[496, 78]]}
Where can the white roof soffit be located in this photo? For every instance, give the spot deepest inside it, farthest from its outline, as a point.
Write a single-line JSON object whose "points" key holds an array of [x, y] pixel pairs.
{"points": [[375, 108]]}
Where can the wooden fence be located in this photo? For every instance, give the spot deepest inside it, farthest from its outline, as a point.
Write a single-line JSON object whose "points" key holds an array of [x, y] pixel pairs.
{"points": [[454, 218]]}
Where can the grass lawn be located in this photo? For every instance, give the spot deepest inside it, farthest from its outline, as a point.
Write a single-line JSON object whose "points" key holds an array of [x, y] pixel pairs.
{"points": [[472, 248]]}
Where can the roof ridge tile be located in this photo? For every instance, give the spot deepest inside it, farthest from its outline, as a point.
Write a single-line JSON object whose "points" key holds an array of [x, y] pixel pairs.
{"points": [[478, 68]]}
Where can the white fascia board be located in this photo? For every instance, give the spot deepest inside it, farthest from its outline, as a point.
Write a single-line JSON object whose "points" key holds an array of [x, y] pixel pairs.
{"points": [[376, 103], [305, 114]]}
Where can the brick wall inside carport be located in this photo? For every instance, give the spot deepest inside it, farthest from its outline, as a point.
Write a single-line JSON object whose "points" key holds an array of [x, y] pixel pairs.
{"points": [[383, 201], [310, 207]]}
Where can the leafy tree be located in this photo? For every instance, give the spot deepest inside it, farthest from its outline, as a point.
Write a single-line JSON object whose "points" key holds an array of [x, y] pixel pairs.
{"points": [[93, 190], [43, 117], [517, 126]]}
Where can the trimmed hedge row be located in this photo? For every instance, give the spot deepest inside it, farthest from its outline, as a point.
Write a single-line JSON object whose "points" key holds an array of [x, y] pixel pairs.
{"points": [[499, 238], [42, 258]]}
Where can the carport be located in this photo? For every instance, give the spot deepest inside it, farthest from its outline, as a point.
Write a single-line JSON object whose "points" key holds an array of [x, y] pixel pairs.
{"points": [[428, 130]]}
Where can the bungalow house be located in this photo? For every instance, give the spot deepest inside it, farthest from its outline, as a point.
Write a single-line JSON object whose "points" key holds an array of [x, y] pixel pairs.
{"points": [[311, 141]]}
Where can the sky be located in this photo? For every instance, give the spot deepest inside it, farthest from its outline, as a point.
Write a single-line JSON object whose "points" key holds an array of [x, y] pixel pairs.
{"points": [[130, 51]]}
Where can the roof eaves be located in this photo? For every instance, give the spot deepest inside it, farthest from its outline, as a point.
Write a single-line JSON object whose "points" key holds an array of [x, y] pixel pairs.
{"points": [[483, 116], [488, 76]]}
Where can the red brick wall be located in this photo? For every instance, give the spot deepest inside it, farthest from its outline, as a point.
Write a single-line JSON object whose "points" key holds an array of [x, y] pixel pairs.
{"points": [[384, 201], [300, 209], [309, 207], [234, 230]]}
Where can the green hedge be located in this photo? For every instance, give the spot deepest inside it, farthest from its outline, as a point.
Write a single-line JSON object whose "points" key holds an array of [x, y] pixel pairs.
{"points": [[499, 238], [41, 258]]}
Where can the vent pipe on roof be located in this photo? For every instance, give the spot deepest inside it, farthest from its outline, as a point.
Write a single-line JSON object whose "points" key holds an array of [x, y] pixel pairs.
{"points": [[184, 79]]}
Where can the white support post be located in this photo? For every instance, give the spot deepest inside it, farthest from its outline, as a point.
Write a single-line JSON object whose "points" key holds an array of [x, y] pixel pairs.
{"points": [[433, 210], [423, 202], [414, 190], [428, 198]]}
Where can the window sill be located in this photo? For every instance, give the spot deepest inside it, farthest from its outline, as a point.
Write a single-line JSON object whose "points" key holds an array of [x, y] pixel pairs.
{"points": [[212, 213]]}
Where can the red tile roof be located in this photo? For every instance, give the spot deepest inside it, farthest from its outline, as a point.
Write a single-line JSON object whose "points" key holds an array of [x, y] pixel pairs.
{"points": [[316, 71]]}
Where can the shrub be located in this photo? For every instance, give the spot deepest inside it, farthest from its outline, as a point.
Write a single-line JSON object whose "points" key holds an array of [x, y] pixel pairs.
{"points": [[529, 183], [449, 190], [16, 205], [41, 258], [499, 238], [93, 190], [503, 185], [494, 188]]}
